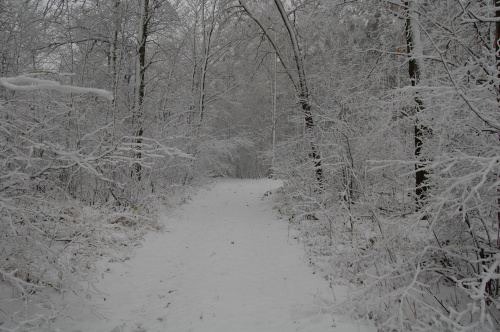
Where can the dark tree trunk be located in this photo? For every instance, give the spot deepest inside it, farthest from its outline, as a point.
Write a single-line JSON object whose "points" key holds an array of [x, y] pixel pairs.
{"points": [[314, 154], [140, 83], [303, 90], [414, 71]]}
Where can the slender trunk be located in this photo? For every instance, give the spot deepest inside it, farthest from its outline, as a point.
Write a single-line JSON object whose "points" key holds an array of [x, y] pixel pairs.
{"points": [[497, 58], [207, 43], [194, 81], [140, 83], [415, 52], [207, 34], [113, 57], [203, 69], [314, 154], [274, 92], [113, 45], [301, 87]]}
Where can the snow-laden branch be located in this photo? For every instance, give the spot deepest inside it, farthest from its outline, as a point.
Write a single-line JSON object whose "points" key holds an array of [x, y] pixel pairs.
{"points": [[271, 40], [151, 146], [17, 283], [17, 83]]}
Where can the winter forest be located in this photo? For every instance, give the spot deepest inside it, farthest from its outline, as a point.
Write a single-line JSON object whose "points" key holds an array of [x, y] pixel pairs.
{"points": [[381, 117]]}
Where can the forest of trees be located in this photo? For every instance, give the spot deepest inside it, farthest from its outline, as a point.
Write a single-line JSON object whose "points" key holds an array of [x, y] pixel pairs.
{"points": [[381, 116]]}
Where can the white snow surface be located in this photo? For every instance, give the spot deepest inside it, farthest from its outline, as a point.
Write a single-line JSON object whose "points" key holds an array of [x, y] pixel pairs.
{"points": [[225, 263]]}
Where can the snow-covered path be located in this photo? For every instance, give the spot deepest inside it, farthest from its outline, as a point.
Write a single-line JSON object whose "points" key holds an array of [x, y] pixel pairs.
{"points": [[226, 263]]}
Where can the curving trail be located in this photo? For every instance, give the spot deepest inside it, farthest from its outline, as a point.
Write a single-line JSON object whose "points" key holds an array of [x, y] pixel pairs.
{"points": [[225, 264]]}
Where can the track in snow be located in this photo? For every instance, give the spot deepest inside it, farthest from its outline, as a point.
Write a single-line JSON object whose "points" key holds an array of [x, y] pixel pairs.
{"points": [[226, 263]]}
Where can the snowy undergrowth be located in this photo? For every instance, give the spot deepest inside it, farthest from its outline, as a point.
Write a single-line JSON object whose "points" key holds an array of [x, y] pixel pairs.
{"points": [[69, 196], [50, 249], [404, 272]]}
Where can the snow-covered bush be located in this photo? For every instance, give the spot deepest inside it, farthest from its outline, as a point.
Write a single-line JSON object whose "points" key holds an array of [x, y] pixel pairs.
{"points": [[415, 261], [63, 197]]}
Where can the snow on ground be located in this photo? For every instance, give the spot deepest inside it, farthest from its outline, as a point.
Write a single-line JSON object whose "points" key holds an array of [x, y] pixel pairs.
{"points": [[226, 263]]}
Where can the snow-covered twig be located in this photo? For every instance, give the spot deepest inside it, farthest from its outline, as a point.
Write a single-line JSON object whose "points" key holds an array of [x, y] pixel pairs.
{"points": [[33, 84]]}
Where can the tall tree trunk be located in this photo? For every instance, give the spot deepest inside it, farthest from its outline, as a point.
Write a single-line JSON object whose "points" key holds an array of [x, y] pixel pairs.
{"points": [[274, 92], [415, 68], [301, 87], [113, 44], [194, 81], [303, 93], [207, 43], [140, 83], [497, 58]]}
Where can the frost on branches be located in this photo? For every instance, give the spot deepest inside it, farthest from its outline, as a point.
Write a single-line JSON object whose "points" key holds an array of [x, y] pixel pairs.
{"points": [[64, 201], [414, 262]]}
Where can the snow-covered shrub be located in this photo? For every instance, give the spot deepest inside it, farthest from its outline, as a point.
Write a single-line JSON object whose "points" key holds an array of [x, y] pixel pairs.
{"points": [[433, 268], [64, 201]]}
